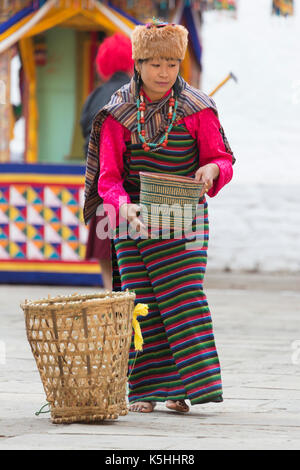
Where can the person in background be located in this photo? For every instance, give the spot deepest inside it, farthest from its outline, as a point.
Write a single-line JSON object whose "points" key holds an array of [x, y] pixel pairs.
{"points": [[114, 66]]}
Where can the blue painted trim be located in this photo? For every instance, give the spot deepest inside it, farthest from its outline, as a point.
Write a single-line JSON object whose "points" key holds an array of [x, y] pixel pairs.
{"points": [[194, 38], [14, 277], [16, 18], [41, 168]]}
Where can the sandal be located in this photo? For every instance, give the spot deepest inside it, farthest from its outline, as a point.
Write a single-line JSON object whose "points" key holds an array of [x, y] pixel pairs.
{"points": [[143, 406], [178, 405]]}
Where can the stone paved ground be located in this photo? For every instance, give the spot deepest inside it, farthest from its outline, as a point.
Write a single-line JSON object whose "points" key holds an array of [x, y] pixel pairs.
{"points": [[257, 329]]}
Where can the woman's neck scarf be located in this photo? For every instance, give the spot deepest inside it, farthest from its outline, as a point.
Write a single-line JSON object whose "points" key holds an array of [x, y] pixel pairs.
{"points": [[122, 107]]}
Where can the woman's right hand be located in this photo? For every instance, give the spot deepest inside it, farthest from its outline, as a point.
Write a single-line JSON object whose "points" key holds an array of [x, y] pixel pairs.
{"points": [[131, 213]]}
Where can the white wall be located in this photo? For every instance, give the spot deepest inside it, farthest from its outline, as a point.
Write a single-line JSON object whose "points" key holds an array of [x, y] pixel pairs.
{"points": [[255, 221]]}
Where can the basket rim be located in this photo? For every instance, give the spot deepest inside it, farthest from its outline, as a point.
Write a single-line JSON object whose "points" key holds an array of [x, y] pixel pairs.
{"points": [[76, 299], [169, 177]]}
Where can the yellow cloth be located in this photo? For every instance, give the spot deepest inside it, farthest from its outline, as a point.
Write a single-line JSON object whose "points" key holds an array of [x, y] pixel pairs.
{"points": [[140, 309]]}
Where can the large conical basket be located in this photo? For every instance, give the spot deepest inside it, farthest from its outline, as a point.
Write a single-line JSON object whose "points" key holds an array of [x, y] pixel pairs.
{"points": [[81, 346]]}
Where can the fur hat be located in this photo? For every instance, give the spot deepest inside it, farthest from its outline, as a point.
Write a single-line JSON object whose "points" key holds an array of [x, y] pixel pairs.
{"points": [[114, 55], [156, 40]]}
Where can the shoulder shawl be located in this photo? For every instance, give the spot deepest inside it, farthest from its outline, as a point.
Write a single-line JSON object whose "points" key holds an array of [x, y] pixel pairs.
{"points": [[122, 107]]}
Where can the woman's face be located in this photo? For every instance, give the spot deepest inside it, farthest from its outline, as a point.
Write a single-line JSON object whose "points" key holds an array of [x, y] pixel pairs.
{"points": [[158, 76]]}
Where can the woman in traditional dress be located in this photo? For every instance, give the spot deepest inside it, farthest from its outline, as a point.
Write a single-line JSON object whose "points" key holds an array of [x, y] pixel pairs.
{"points": [[161, 124]]}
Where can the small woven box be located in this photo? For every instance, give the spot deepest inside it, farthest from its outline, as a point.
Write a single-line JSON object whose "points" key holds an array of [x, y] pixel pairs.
{"points": [[168, 199], [81, 346]]}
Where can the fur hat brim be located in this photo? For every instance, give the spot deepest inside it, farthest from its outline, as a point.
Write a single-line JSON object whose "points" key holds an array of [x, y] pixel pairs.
{"points": [[169, 41]]}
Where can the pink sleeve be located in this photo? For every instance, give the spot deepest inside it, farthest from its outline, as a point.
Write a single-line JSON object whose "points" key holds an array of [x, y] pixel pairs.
{"points": [[111, 149], [204, 126]]}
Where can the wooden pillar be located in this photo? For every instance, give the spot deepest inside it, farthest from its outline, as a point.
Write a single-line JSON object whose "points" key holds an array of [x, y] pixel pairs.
{"points": [[31, 109], [5, 106]]}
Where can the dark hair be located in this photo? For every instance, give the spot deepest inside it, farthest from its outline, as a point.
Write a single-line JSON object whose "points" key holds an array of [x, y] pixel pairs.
{"points": [[177, 87], [138, 81]]}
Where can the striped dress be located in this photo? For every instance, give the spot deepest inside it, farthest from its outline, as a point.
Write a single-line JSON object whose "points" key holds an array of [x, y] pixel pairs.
{"points": [[179, 358]]}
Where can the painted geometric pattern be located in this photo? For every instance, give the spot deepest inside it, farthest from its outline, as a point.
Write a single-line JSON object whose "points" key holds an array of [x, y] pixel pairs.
{"points": [[41, 222]]}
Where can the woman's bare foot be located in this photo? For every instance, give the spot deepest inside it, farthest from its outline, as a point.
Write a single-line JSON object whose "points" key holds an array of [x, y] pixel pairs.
{"points": [[178, 405], [142, 406]]}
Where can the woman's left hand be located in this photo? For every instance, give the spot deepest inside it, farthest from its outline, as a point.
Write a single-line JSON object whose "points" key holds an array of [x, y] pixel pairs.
{"points": [[207, 174]]}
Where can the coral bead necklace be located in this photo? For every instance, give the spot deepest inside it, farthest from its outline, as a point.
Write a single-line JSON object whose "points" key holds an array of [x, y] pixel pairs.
{"points": [[141, 108]]}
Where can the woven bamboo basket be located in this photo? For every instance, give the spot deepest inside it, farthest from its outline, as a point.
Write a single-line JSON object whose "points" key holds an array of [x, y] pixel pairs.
{"points": [[81, 346], [166, 199]]}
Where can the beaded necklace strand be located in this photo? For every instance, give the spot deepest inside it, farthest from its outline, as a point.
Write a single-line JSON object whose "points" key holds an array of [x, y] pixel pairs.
{"points": [[141, 108]]}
